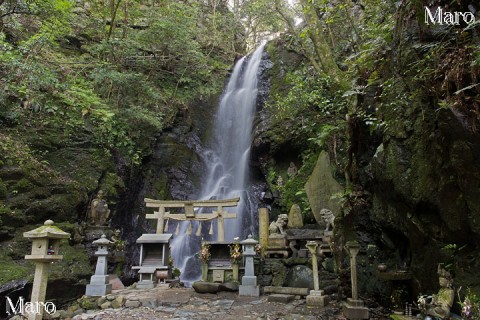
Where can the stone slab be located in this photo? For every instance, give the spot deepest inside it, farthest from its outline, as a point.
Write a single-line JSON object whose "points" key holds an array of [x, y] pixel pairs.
{"points": [[283, 298], [317, 301], [355, 312], [316, 292], [145, 284], [277, 241], [287, 290], [355, 302], [99, 280], [98, 290], [249, 291]]}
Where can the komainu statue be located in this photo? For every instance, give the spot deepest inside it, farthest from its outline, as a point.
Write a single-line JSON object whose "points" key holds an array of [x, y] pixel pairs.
{"points": [[277, 227], [329, 219]]}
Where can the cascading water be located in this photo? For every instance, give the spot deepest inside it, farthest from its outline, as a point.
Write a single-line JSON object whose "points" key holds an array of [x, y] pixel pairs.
{"points": [[227, 163]]}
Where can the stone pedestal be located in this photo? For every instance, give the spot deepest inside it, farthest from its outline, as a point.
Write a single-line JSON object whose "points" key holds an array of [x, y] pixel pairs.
{"points": [[147, 280], [277, 241], [316, 299], [355, 309], [99, 286], [249, 287]]}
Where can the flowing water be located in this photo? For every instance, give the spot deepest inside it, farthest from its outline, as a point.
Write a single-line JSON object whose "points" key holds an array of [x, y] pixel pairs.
{"points": [[227, 163]]}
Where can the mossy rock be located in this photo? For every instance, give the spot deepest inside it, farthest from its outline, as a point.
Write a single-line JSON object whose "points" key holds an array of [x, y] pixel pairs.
{"points": [[88, 303], [3, 190], [11, 270]]}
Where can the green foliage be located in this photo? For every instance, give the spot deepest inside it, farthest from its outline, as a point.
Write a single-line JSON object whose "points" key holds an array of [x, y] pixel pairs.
{"points": [[292, 191]]}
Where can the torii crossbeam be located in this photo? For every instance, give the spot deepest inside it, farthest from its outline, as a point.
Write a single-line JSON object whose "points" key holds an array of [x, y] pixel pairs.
{"points": [[190, 214]]}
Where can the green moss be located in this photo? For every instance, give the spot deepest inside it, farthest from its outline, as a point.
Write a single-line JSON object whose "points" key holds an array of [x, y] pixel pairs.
{"points": [[11, 270], [3, 190], [12, 263], [75, 264], [23, 185], [11, 217]]}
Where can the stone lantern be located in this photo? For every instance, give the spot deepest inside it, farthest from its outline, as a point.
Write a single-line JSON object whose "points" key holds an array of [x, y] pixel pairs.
{"points": [[99, 282], [45, 249], [249, 285], [354, 308], [316, 298]]}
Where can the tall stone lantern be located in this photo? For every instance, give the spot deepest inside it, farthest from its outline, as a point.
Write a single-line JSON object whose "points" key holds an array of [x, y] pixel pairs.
{"points": [[45, 249], [99, 282], [354, 307], [249, 285]]}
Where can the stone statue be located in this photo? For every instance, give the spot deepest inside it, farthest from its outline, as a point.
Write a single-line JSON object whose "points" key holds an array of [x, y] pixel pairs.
{"points": [[280, 181], [277, 227], [292, 170], [438, 305], [329, 219], [99, 212], [118, 243]]}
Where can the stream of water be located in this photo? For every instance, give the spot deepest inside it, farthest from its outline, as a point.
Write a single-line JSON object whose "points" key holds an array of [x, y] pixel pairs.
{"points": [[227, 167]]}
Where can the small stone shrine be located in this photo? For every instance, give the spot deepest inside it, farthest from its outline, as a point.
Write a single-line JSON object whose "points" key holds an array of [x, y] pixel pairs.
{"points": [[154, 255], [354, 308], [220, 267], [45, 250], [249, 285], [99, 282]]}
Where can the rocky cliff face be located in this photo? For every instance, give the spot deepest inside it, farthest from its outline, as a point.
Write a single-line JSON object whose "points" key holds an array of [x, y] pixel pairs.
{"points": [[416, 184]]}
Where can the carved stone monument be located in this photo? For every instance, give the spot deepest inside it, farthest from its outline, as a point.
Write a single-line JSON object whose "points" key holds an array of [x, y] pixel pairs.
{"points": [[99, 282], [249, 285]]}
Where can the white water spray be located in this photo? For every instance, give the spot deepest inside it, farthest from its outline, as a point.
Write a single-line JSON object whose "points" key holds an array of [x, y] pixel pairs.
{"points": [[227, 163]]}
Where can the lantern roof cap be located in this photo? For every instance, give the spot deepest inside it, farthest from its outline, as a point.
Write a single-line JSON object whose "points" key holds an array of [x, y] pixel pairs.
{"points": [[48, 230], [249, 240], [103, 241]]}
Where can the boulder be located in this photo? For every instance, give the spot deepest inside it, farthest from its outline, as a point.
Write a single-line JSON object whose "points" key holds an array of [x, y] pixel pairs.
{"points": [[206, 287], [300, 277]]}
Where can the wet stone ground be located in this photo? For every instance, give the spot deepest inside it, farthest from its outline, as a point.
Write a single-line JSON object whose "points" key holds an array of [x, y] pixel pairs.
{"points": [[185, 303]]}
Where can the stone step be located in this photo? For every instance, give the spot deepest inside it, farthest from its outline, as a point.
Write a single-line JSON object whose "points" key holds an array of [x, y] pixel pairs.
{"points": [[282, 298], [287, 290]]}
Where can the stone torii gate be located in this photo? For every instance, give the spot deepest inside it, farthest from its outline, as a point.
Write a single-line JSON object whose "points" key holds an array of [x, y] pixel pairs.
{"points": [[160, 215]]}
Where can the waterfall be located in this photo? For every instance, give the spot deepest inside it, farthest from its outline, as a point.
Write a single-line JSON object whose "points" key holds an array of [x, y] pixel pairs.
{"points": [[227, 165]]}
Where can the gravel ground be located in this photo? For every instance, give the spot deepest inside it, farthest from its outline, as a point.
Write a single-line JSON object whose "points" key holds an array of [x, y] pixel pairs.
{"points": [[185, 303]]}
